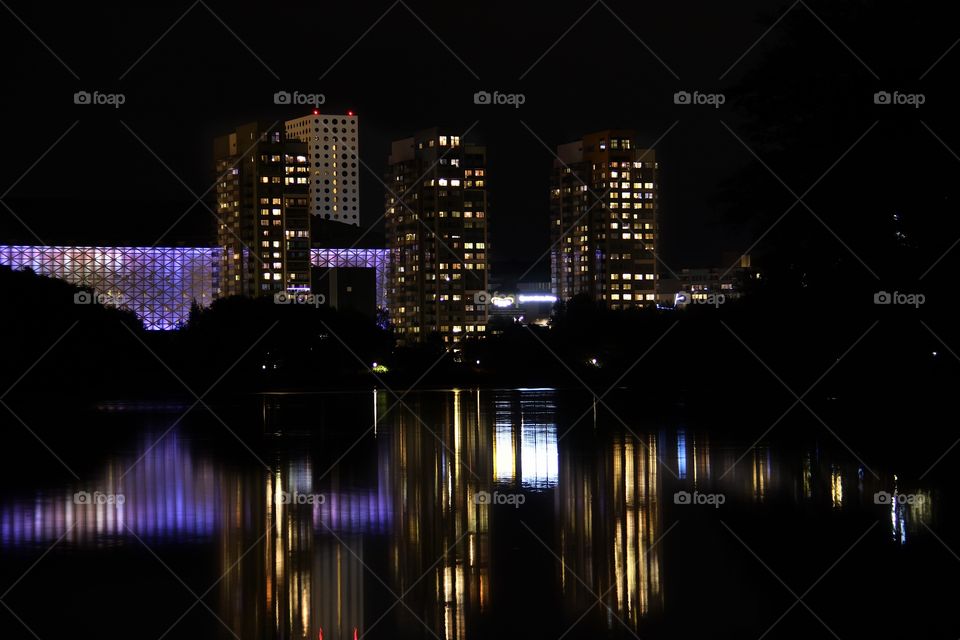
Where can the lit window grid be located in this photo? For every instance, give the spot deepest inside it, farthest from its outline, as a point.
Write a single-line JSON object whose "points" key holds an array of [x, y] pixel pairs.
{"points": [[339, 134]]}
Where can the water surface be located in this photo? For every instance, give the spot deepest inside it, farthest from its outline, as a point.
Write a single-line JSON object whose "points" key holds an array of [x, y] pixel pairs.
{"points": [[466, 514]]}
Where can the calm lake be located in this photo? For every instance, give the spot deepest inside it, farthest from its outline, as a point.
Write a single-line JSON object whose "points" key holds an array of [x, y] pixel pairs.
{"points": [[466, 514]]}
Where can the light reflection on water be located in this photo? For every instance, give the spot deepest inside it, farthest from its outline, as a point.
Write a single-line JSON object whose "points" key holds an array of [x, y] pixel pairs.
{"points": [[300, 547]]}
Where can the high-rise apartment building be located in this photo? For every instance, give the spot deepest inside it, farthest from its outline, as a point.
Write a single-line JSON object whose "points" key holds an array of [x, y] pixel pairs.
{"points": [[272, 181], [264, 223], [333, 149], [604, 213], [436, 228]]}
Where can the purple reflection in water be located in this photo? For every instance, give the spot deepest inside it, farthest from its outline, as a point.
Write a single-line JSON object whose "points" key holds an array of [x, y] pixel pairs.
{"points": [[165, 493]]}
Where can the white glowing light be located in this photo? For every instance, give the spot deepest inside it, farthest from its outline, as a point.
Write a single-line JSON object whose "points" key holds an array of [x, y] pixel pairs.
{"points": [[537, 298]]}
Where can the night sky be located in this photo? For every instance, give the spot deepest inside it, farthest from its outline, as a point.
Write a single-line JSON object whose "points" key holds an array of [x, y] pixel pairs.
{"points": [[100, 184]]}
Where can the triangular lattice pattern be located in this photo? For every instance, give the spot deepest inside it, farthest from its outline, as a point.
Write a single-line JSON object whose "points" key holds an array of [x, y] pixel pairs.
{"points": [[159, 284], [361, 258]]}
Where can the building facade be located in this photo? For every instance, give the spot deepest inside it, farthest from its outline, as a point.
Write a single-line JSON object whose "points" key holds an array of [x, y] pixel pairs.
{"points": [[273, 181], [333, 150], [262, 206], [436, 228], [709, 285], [604, 216], [161, 284]]}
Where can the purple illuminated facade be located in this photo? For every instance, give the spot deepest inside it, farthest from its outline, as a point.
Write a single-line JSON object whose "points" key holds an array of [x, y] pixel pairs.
{"points": [[159, 284], [375, 259]]}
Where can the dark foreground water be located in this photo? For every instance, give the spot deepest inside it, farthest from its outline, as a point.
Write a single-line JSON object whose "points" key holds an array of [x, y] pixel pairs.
{"points": [[467, 515]]}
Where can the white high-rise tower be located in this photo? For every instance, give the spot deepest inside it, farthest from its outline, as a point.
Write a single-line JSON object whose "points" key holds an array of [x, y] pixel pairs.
{"points": [[333, 152]]}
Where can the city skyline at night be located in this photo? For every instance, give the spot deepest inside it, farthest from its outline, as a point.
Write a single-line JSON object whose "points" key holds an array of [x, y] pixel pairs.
{"points": [[408, 320], [273, 183]]}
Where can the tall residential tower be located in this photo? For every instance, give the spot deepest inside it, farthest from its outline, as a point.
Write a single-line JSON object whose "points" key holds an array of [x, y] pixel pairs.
{"points": [[604, 213], [436, 227], [272, 181], [333, 150], [263, 218]]}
